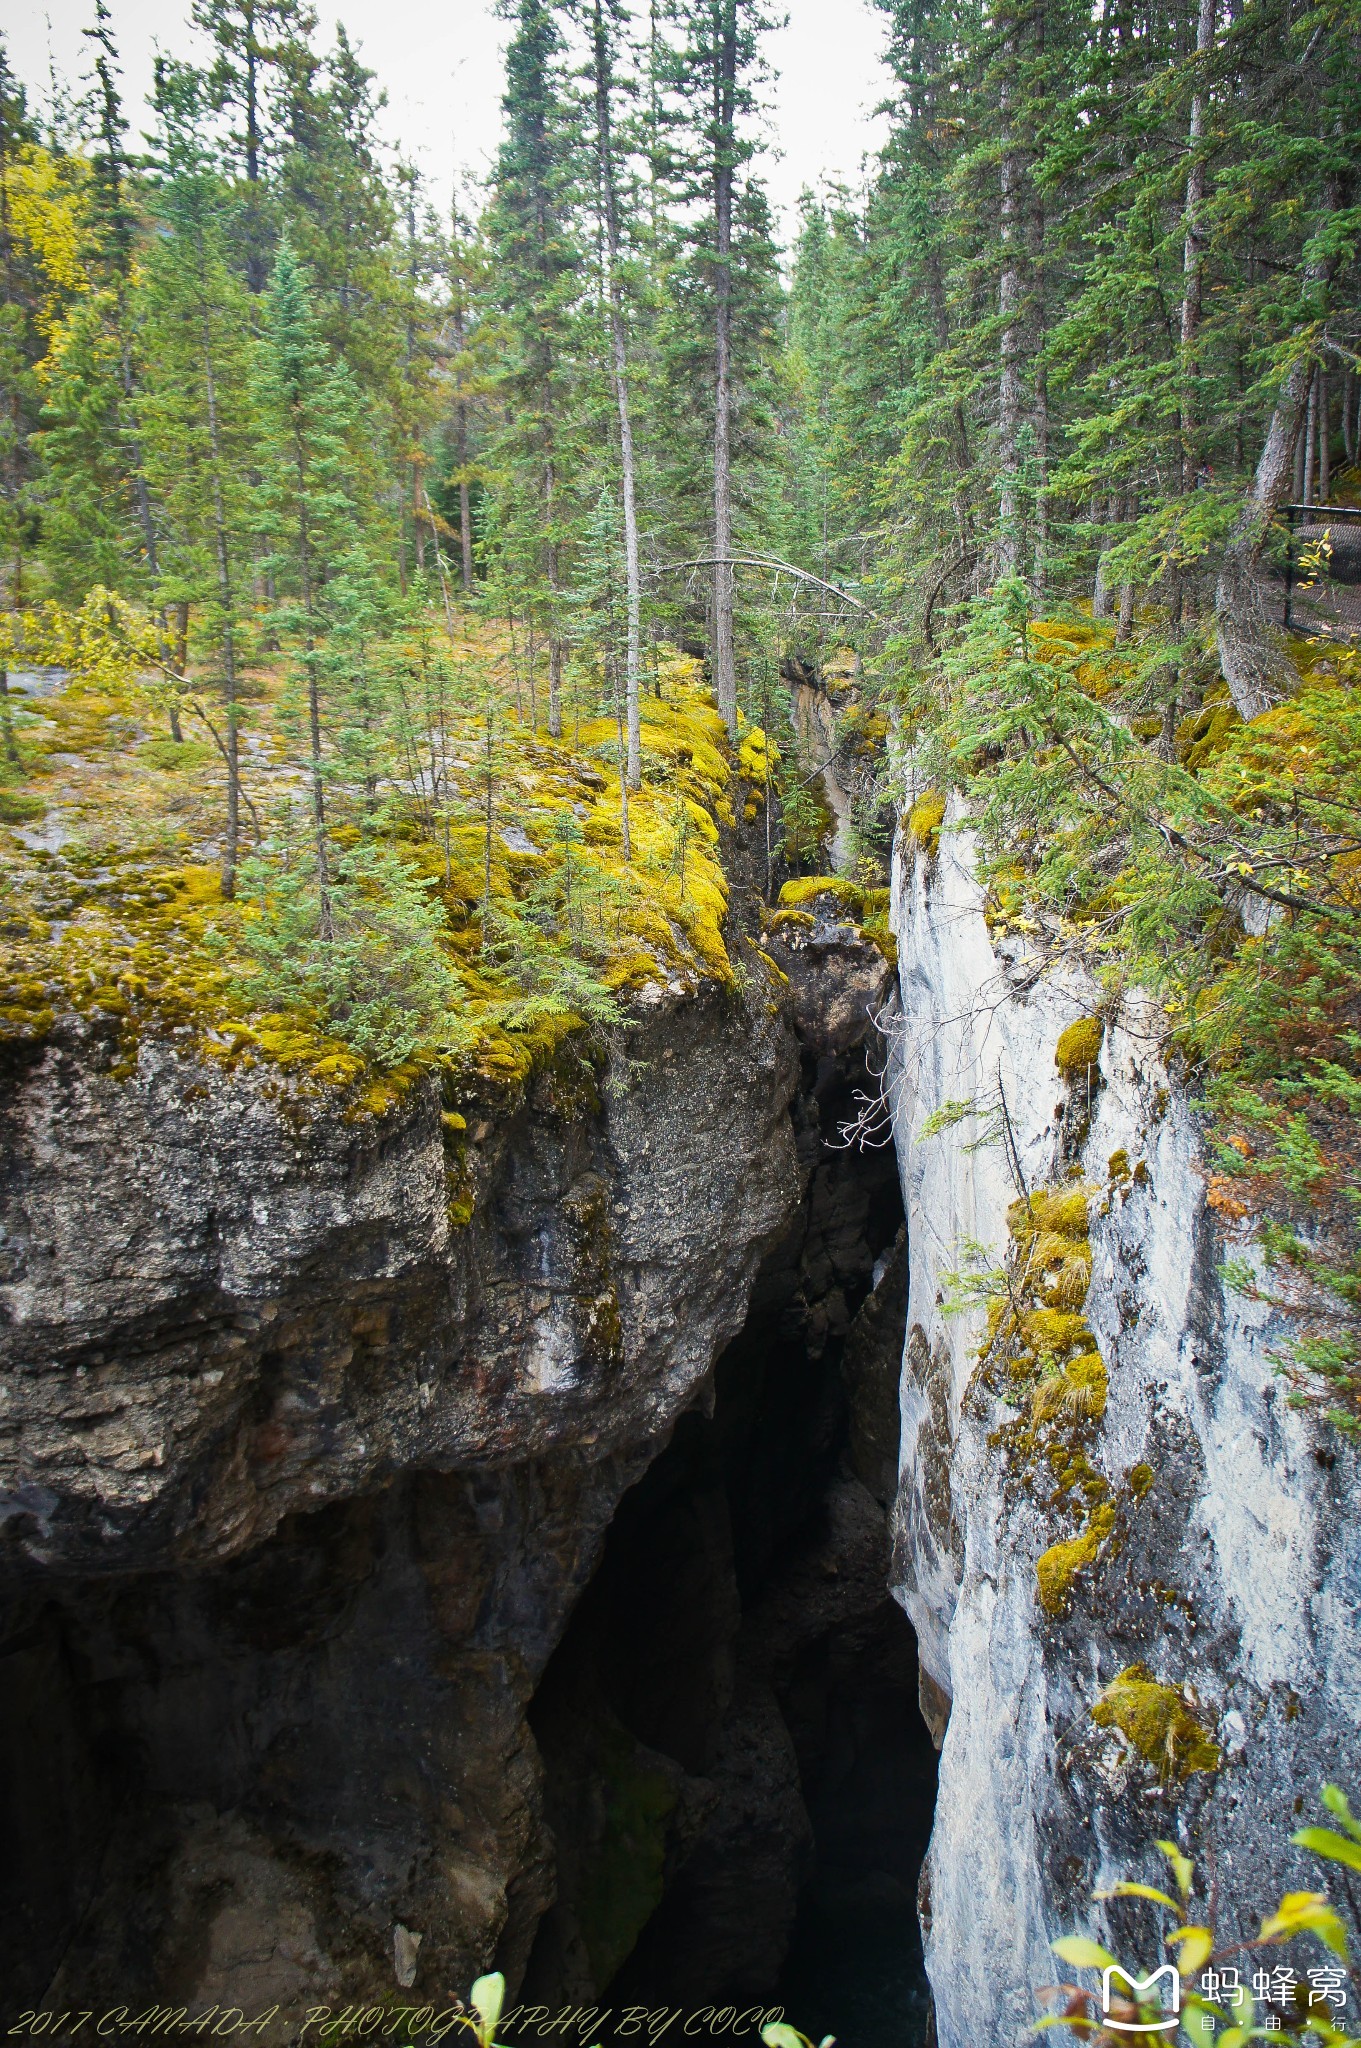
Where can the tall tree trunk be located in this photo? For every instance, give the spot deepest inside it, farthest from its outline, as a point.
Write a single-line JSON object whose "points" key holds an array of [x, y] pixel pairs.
{"points": [[1193, 254], [1040, 409], [257, 275], [227, 599], [465, 515], [1009, 313], [725, 86], [313, 691], [1325, 453], [619, 369], [1310, 439], [1251, 662]]}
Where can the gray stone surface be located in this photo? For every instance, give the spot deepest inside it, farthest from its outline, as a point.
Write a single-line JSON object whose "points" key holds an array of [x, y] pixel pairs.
{"points": [[302, 1480], [1239, 1573]]}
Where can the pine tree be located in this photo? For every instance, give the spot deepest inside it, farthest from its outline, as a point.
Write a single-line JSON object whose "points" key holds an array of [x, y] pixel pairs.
{"points": [[199, 419], [716, 337], [535, 265], [312, 460], [251, 38], [604, 32]]}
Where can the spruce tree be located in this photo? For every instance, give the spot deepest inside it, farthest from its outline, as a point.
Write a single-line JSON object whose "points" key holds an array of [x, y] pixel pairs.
{"points": [[535, 264], [312, 461], [199, 416]]}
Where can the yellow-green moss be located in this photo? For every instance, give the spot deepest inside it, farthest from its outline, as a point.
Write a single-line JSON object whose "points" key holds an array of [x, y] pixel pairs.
{"points": [[1158, 1723], [1077, 1388], [756, 756], [867, 906], [109, 930], [1079, 1047], [1205, 732], [924, 821], [1061, 1563], [808, 888]]}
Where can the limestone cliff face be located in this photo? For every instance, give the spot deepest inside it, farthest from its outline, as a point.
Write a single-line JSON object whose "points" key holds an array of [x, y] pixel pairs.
{"points": [[1231, 1562], [303, 1471]]}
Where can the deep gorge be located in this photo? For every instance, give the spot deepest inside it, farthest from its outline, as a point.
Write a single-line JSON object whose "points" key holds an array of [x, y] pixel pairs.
{"points": [[661, 1693], [464, 1537]]}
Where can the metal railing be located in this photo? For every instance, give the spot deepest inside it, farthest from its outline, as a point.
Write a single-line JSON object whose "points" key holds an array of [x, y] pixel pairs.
{"points": [[1323, 570]]}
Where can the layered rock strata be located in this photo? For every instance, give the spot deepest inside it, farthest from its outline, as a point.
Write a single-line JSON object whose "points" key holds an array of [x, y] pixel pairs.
{"points": [[312, 1428]]}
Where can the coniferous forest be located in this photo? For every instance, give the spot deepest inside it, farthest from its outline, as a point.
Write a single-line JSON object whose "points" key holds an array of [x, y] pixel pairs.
{"points": [[420, 572], [450, 641]]}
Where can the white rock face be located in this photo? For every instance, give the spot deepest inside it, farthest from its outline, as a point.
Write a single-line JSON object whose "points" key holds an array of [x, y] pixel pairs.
{"points": [[1238, 1573]]}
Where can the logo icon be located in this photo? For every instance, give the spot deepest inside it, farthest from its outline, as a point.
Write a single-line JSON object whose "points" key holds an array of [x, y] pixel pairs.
{"points": [[1136, 1986]]}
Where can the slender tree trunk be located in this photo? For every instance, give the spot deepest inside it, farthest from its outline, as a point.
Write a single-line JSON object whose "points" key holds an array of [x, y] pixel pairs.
{"points": [[1193, 253], [227, 599], [1325, 453], [11, 745], [1348, 424], [554, 687], [619, 368], [1297, 467], [465, 520], [1009, 312], [725, 87], [1125, 621], [257, 275], [1041, 417], [1310, 439], [1252, 666], [313, 694], [465, 532]]}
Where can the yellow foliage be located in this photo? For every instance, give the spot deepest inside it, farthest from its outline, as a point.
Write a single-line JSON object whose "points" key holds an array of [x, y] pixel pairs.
{"points": [[46, 204]]}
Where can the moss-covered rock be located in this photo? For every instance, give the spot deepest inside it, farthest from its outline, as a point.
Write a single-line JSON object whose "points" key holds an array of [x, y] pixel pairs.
{"points": [[1158, 1723], [1061, 1563], [924, 821], [1079, 1048]]}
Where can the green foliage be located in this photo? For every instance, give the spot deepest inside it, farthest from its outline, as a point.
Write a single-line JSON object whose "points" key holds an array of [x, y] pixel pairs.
{"points": [[381, 981], [1214, 2002]]}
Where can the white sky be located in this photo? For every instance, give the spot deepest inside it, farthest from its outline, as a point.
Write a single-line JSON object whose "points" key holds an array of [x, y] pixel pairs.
{"points": [[440, 62]]}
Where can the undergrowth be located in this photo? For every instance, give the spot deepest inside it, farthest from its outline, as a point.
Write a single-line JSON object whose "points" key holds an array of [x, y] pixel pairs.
{"points": [[472, 901], [1129, 820]]}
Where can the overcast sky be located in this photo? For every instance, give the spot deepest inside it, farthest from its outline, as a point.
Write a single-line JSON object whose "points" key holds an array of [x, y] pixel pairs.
{"points": [[440, 62]]}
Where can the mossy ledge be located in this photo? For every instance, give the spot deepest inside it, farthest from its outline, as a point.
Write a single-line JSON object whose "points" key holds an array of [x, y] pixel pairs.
{"points": [[867, 907], [113, 912]]}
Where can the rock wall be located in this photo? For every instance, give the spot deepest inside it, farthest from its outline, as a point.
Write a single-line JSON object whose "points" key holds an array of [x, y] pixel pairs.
{"points": [[311, 1431], [1231, 1565]]}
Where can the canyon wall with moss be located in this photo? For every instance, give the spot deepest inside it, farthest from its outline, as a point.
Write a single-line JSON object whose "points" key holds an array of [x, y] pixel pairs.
{"points": [[1134, 1570]]}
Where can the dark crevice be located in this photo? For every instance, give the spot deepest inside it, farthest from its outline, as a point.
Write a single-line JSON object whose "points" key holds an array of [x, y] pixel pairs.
{"points": [[739, 1781]]}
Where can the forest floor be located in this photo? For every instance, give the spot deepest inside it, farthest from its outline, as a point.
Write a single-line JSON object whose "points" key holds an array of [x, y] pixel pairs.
{"points": [[110, 893]]}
